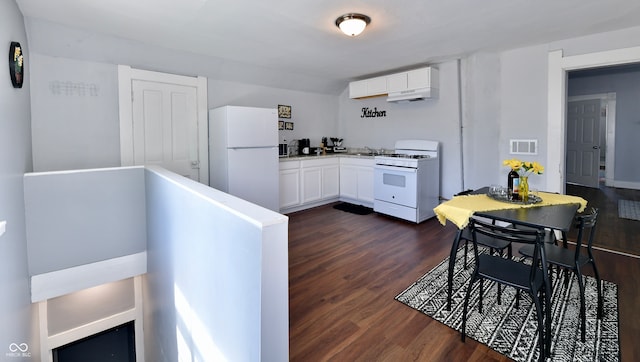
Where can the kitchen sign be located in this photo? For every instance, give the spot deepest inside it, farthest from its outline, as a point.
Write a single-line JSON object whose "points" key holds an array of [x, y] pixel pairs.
{"points": [[372, 113]]}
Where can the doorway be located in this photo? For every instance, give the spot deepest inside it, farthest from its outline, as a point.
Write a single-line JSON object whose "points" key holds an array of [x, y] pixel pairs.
{"points": [[163, 121], [600, 138], [113, 345], [558, 66]]}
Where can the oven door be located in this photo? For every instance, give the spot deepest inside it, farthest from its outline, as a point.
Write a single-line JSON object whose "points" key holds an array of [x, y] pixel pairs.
{"points": [[395, 184]]}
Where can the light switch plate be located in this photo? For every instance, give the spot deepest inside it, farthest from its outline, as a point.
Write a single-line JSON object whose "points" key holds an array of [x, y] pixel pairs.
{"points": [[3, 226]]}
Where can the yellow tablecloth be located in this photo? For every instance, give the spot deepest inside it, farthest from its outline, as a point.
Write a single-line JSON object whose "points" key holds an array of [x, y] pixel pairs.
{"points": [[459, 209]]}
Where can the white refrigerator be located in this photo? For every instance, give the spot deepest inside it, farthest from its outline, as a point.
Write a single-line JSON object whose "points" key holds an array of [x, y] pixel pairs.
{"points": [[243, 154]]}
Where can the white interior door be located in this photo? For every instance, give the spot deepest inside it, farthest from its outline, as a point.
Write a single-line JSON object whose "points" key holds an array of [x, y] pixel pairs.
{"points": [[163, 121], [165, 127], [583, 142]]}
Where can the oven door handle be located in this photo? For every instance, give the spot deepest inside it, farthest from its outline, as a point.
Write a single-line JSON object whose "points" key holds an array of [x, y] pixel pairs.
{"points": [[397, 168]]}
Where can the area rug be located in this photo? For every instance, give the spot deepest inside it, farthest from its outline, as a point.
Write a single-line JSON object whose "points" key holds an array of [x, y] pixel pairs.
{"points": [[354, 209], [628, 209], [511, 331]]}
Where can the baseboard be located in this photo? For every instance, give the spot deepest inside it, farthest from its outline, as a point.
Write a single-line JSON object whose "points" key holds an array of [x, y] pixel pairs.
{"points": [[627, 185]]}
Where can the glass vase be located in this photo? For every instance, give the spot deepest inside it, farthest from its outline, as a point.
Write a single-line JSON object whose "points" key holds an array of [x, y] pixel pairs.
{"points": [[524, 188]]}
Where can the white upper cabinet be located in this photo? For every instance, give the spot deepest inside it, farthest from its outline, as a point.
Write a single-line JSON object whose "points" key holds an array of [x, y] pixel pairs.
{"points": [[358, 89], [422, 78], [377, 86], [368, 87], [419, 78], [413, 79], [397, 82]]}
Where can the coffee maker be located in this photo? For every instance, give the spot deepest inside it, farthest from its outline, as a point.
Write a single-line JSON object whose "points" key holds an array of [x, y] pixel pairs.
{"points": [[304, 146]]}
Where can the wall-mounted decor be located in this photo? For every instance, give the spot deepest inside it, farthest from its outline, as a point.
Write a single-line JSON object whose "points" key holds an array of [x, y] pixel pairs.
{"points": [[280, 125], [16, 64], [368, 112], [288, 126], [284, 111]]}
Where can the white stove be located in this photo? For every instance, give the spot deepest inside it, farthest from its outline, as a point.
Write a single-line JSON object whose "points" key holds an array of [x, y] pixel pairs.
{"points": [[400, 159], [407, 182]]}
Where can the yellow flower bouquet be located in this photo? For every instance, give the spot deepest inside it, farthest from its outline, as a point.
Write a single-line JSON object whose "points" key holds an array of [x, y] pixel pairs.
{"points": [[524, 168]]}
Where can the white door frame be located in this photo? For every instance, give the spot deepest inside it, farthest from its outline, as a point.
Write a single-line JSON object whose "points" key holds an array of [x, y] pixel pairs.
{"points": [[609, 100], [125, 76], [558, 66]]}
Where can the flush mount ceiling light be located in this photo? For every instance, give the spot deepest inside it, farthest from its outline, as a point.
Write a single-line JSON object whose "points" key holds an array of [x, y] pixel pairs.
{"points": [[352, 24]]}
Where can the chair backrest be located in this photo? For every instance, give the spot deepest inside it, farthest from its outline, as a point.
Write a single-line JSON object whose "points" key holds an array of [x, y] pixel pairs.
{"points": [[586, 222], [465, 192], [510, 233]]}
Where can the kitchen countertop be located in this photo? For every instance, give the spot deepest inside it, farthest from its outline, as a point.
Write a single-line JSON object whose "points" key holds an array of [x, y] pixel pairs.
{"points": [[328, 155]]}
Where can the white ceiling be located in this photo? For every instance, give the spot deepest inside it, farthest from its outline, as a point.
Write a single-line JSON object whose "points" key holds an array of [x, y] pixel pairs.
{"points": [[299, 37]]}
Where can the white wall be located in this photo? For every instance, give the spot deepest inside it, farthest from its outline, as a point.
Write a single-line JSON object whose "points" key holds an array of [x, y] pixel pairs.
{"points": [[481, 121], [17, 315], [74, 114], [217, 282], [434, 119], [314, 115], [75, 98], [524, 91], [82, 217]]}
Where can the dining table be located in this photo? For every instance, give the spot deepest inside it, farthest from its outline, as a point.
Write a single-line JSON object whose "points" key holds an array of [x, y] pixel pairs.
{"points": [[552, 211]]}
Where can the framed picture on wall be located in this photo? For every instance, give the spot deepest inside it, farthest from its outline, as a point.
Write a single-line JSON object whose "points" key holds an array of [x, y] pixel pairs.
{"points": [[16, 64], [288, 126], [280, 125], [284, 111]]}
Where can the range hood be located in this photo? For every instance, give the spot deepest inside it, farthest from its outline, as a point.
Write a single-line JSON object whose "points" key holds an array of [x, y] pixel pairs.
{"points": [[412, 95]]}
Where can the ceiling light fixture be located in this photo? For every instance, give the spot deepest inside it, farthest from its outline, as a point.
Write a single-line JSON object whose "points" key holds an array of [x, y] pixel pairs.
{"points": [[352, 24]]}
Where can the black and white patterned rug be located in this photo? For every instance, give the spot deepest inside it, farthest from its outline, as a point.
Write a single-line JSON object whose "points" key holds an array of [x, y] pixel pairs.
{"points": [[512, 331], [628, 209]]}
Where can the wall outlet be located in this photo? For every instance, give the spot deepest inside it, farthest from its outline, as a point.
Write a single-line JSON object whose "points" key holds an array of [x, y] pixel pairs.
{"points": [[3, 227]]}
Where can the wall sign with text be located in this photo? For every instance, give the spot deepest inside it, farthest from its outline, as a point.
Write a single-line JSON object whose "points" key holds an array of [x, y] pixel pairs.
{"points": [[372, 113]]}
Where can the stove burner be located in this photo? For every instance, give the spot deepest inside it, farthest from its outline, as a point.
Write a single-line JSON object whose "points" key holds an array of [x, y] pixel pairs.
{"points": [[403, 155]]}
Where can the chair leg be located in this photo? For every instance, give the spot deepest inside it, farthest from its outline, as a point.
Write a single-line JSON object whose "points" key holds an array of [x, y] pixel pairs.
{"points": [[547, 319], [541, 333], [481, 294], [582, 302], [466, 250], [465, 308], [452, 262], [599, 286]]}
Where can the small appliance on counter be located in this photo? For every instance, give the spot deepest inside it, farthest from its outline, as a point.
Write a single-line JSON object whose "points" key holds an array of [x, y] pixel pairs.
{"points": [[283, 150], [337, 145], [304, 146]]}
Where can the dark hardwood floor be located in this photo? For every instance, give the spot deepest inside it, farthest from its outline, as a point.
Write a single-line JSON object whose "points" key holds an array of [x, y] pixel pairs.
{"points": [[612, 232], [346, 269]]}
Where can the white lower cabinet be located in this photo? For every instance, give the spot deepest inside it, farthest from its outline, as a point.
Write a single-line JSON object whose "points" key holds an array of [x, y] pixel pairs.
{"points": [[309, 182], [320, 179], [289, 184], [356, 180]]}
